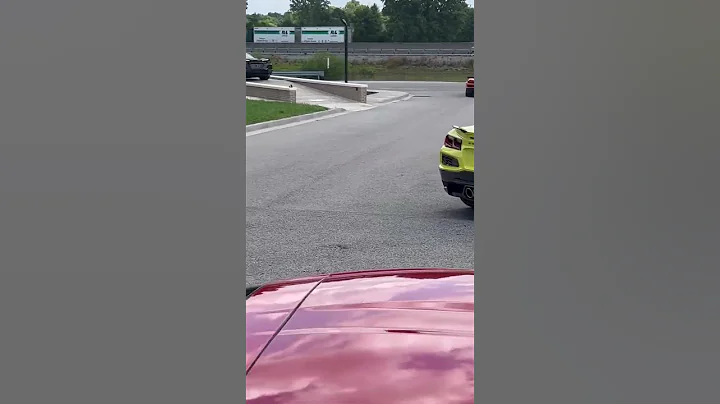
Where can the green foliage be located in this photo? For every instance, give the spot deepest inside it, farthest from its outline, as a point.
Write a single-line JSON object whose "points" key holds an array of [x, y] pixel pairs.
{"points": [[397, 68], [319, 61], [257, 111], [287, 20], [336, 71], [467, 26], [367, 22], [398, 21], [362, 72], [425, 20], [351, 7], [311, 13], [336, 16]]}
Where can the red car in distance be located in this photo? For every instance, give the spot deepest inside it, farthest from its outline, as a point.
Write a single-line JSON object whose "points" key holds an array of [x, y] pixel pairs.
{"points": [[470, 87], [396, 336]]}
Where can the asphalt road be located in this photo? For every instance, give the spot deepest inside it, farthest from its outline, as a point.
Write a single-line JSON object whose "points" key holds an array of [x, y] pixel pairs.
{"points": [[358, 191]]}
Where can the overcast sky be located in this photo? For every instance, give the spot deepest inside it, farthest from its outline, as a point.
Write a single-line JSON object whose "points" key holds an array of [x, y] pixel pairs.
{"points": [[281, 6]]}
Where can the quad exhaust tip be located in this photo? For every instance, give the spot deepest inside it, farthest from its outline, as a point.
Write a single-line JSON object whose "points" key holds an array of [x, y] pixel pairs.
{"points": [[469, 193]]}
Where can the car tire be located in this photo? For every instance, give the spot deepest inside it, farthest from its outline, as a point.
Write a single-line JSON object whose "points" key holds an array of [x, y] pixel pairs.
{"points": [[468, 202], [265, 77], [470, 92]]}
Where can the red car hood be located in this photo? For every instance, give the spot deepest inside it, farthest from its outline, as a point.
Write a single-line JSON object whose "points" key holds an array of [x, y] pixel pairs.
{"points": [[390, 336]]}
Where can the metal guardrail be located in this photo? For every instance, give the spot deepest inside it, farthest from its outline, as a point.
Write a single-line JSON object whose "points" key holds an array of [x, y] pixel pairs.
{"points": [[317, 75], [367, 45], [361, 51]]}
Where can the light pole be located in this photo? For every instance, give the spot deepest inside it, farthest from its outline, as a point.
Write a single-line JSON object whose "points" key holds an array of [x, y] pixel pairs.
{"points": [[345, 37]]}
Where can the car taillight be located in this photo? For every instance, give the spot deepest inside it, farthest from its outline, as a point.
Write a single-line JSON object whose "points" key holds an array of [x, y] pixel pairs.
{"points": [[453, 142]]}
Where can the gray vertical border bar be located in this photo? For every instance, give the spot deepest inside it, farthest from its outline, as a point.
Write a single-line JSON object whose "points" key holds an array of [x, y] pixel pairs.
{"points": [[598, 225], [243, 245], [477, 251], [121, 201]]}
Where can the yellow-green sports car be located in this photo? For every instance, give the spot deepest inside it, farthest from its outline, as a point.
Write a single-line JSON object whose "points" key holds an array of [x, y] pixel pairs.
{"points": [[457, 164]]}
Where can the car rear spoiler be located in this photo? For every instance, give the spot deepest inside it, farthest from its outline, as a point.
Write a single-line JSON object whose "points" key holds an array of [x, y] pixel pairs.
{"points": [[460, 129]]}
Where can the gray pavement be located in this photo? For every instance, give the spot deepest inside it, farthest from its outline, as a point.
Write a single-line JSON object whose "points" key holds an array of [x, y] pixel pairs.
{"points": [[358, 191]]}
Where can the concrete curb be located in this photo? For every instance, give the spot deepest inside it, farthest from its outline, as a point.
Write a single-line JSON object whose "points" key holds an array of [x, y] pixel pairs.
{"points": [[271, 92], [351, 91], [292, 119], [392, 99]]}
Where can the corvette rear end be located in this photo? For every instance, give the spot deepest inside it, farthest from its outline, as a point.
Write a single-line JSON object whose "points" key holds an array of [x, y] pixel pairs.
{"points": [[457, 164]]}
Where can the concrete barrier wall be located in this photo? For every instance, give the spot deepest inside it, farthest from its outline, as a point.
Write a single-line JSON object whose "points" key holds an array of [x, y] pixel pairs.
{"points": [[425, 60], [360, 46], [271, 92], [351, 91]]}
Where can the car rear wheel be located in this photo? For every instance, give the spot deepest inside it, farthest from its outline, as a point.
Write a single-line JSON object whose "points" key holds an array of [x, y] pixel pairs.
{"points": [[468, 202], [265, 77]]}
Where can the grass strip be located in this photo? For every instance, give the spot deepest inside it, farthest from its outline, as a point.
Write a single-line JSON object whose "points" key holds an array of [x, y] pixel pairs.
{"points": [[390, 71], [262, 111]]}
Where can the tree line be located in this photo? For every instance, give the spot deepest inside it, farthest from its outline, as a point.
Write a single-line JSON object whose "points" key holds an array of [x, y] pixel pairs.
{"points": [[397, 21]]}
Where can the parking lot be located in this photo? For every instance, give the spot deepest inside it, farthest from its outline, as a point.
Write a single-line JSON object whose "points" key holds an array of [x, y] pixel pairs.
{"points": [[358, 191]]}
